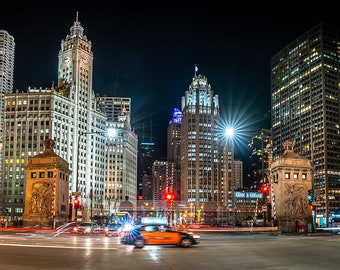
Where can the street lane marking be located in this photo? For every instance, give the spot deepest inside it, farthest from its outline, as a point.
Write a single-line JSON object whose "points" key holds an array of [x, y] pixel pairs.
{"points": [[50, 246]]}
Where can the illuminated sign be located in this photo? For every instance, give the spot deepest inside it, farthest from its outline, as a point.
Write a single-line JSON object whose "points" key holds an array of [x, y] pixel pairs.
{"points": [[250, 195], [120, 214], [154, 220]]}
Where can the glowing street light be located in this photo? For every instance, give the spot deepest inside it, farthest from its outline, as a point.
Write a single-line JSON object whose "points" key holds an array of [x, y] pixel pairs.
{"points": [[229, 132], [112, 132]]}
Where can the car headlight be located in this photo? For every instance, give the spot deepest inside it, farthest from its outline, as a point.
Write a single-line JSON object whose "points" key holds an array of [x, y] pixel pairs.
{"points": [[127, 227]]}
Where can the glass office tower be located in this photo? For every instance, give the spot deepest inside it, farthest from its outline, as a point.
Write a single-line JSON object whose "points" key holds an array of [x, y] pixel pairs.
{"points": [[305, 108]]}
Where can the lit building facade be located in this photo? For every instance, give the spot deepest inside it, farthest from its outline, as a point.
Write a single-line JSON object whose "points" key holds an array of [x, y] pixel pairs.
{"points": [[228, 183], [47, 189], [174, 153], [159, 180], [103, 168], [114, 106], [75, 69], [7, 53], [68, 115], [305, 108], [146, 158], [238, 174], [258, 173], [174, 137], [292, 178], [200, 166], [122, 152]]}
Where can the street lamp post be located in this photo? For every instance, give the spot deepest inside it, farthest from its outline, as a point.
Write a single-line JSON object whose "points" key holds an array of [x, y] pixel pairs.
{"points": [[229, 167], [91, 203], [314, 211], [192, 212], [271, 181], [75, 210], [108, 199]]}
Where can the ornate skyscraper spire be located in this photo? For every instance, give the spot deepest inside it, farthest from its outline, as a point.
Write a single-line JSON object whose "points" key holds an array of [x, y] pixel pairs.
{"points": [[76, 29], [122, 117]]}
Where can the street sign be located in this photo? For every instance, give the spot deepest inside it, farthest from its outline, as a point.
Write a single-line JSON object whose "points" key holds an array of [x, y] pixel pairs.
{"points": [[78, 193]]}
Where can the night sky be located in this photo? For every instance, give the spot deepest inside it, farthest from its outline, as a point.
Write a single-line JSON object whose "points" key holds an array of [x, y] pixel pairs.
{"points": [[148, 52]]}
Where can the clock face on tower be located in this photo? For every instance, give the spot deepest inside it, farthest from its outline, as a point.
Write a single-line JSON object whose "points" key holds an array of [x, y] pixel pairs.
{"points": [[84, 59], [66, 60]]}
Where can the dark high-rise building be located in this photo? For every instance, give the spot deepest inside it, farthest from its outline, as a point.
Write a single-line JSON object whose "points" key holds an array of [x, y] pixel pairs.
{"points": [[146, 157], [257, 174], [305, 108], [174, 137], [159, 180], [174, 152]]}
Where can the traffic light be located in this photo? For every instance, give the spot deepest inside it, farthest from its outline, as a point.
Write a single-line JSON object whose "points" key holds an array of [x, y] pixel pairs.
{"points": [[169, 197], [76, 203], [310, 196], [264, 189]]}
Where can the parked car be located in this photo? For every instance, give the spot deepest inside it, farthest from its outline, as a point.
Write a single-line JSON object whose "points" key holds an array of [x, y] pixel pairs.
{"points": [[159, 234]]}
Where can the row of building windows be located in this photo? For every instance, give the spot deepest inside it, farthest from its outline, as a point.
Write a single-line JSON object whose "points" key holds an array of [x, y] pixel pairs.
{"points": [[288, 176], [24, 102], [23, 123], [19, 109], [41, 174], [16, 210], [9, 192], [49, 175]]}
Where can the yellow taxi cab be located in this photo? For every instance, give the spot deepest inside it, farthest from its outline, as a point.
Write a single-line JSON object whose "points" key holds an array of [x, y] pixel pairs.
{"points": [[159, 234]]}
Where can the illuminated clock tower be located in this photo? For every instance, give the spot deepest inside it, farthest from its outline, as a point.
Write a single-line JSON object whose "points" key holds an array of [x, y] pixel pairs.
{"points": [[75, 72], [76, 65]]}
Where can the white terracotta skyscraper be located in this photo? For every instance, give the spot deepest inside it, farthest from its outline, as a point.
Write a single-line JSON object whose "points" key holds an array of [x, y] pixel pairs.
{"points": [[200, 173]]}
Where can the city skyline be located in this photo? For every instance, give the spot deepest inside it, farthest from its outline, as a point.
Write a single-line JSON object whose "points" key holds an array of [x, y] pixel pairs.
{"points": [[149, 53]]}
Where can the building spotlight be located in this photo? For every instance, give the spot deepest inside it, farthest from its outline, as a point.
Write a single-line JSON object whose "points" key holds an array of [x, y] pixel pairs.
{"points": [[229, 132], [112, 132]]}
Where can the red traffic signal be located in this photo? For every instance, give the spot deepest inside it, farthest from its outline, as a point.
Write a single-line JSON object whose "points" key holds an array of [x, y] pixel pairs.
{"points": [[76, 203], [169, 196], [264, 189]]}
